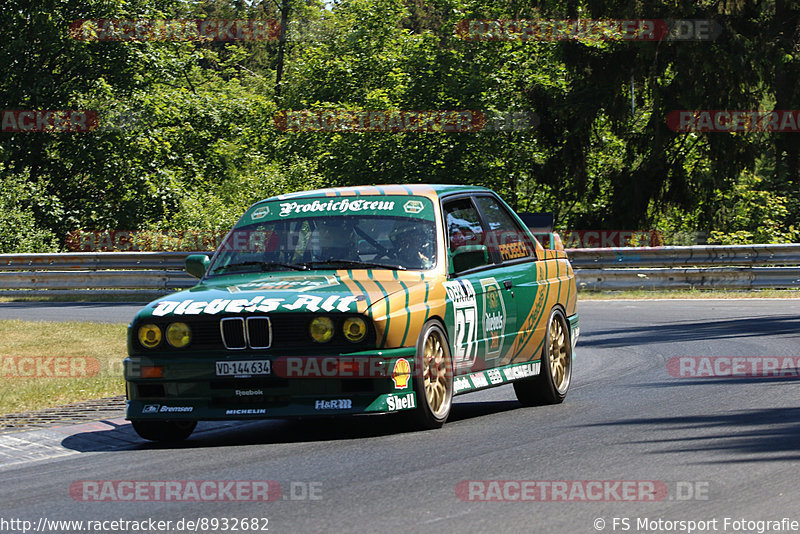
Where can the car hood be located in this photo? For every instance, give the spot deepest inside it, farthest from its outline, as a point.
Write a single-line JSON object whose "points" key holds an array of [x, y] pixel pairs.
{"points": [[281, 292]]}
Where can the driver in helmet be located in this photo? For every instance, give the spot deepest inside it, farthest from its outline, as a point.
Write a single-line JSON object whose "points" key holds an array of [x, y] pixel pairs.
{"points": [[335, 239], [413, 244]]}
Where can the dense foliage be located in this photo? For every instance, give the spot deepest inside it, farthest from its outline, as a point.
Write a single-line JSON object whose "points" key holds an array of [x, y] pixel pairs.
{"points": [[187, 137]]}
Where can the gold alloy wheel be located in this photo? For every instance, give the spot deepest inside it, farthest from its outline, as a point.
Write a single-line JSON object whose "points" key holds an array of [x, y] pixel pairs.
{"points": [[560, 360], [436, 369]]}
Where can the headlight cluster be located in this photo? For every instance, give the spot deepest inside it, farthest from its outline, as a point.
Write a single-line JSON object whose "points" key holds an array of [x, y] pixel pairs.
{"points": [[321, 329], [178, 335]]}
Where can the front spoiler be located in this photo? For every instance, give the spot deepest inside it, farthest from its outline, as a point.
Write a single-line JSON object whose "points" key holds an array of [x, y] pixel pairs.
{"points": [[308, 404], [201, 410]]}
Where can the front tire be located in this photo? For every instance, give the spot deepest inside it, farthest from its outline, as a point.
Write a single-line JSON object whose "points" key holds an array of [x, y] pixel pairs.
{"points": [[167, 431], [555, 373], [433, 378]]}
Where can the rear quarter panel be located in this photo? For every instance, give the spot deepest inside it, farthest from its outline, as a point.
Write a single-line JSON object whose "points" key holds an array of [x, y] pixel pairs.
{"points": [[553, 285]]}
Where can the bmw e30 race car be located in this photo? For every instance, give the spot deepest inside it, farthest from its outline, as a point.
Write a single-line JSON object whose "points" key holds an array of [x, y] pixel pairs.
{"points": [[359, 300]]}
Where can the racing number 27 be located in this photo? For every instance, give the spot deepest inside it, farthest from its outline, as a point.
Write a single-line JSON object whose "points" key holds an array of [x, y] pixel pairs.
{"points": [[465, 328]]}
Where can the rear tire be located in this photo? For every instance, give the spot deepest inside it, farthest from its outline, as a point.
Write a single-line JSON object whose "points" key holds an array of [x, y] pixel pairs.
{"points": [[167, 431], [555, 372], [432, 378]]}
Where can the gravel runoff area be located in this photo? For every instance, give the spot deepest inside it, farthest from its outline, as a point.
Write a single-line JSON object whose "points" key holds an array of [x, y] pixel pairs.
{"points": [[68, 414]]}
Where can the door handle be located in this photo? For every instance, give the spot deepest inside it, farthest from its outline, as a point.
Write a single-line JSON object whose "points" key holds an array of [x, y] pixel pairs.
{"points": [[507, 284]]}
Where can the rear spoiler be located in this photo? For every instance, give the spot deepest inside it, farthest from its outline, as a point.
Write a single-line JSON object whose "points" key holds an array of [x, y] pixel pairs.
{"points": [[549, 240]]}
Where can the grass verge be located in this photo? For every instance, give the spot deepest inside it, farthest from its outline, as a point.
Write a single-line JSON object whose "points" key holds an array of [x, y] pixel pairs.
{"points": [[45, 364]]}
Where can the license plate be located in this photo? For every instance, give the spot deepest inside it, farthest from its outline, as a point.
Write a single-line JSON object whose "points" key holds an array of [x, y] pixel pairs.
{"points": [[244, 368]]}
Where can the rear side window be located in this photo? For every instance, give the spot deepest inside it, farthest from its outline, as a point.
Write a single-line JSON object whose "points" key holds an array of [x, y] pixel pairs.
{"points": [[504, 233]]}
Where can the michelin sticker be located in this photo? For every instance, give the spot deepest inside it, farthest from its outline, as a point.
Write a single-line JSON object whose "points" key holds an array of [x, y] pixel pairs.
{"points": [[522, 371], [465, 308], [310, 303]]}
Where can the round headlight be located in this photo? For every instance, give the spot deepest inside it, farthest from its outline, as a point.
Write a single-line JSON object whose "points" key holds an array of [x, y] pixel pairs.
{"points": [[149, 335], [354, 329], [179, 335], [321, 329]]}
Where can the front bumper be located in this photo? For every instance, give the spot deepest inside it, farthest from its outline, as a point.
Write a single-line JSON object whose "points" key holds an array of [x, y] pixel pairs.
{"points": [[298, 385]]}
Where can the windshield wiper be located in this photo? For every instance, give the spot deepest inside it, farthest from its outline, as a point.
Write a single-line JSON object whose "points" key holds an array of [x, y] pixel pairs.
{"points": [[265, 265], [355, 262]]}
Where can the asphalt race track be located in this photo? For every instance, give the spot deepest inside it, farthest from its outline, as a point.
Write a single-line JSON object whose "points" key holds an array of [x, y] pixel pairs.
{"points": [[712, 447]]}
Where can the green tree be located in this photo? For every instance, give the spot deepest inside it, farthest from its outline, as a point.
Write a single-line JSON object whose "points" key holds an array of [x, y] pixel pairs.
{"points": [[19, 231]]}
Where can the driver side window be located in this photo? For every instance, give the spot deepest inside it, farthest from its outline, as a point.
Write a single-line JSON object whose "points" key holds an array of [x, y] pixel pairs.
{"points": [[463, 225]]}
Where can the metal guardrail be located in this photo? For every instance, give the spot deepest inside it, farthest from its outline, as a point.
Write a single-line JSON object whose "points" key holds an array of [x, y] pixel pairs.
{"points": [[695, 267], [93, 272], [49, 280], [93, 261], [721, 267], [694, 278], [694, 256]]}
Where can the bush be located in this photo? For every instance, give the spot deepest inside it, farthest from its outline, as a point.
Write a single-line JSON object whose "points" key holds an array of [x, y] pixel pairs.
{"points": [[749, 214], [19, 230]]}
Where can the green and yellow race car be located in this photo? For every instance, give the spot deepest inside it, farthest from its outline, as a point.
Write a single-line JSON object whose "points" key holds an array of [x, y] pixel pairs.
{"points": [[358, 300]]}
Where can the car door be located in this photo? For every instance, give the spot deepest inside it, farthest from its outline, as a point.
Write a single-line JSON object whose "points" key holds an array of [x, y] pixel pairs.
{"points": [[516, 253], [483, 313]]}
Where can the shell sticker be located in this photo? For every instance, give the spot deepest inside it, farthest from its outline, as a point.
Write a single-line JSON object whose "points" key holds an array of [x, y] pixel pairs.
{"points": [[401, 373]]}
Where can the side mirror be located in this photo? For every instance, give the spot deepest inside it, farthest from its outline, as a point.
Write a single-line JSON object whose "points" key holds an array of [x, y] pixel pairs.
{"points": [[468, 257], [197, 264]]}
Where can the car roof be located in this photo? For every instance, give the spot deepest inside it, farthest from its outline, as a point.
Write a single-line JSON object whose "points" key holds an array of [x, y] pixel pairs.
{"points": [[428, 190]]}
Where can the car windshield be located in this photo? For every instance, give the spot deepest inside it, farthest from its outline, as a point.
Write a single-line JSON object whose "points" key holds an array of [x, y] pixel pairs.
{"points": [[276, 236]]}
